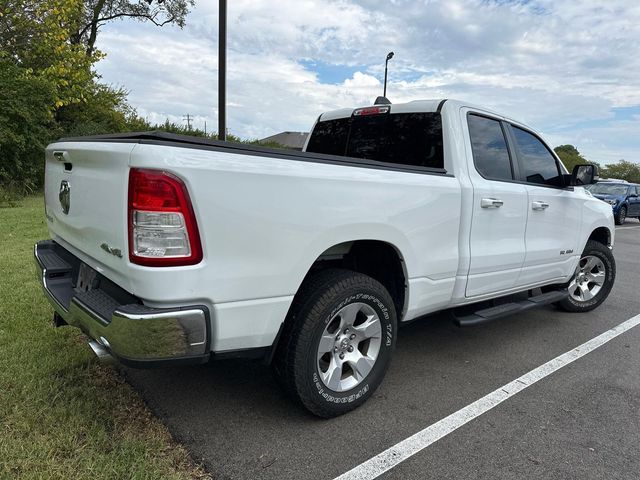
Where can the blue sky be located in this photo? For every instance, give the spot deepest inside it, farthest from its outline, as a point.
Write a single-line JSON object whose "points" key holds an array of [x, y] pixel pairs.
{"points": [[331, 73], [569, 69]]}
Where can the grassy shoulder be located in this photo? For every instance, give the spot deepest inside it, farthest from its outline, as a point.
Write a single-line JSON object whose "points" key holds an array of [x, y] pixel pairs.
{"points": [[62, 415]]}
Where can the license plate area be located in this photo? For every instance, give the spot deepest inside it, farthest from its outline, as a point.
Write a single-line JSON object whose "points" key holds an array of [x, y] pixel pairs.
{"points": [[87, 278]]}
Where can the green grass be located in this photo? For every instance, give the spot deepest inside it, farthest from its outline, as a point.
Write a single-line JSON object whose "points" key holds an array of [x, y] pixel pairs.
{"points": [[62, 415]]}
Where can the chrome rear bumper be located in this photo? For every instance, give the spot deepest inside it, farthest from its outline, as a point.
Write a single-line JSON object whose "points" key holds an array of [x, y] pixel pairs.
{"points": [[117, 321]]}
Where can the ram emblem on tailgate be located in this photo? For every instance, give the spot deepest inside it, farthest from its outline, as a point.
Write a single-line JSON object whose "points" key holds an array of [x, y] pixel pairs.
{"points": [[65, 196]]}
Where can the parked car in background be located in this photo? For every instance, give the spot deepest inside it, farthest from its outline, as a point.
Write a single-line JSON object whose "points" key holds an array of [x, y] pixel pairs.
{"points": [[623, 198]]}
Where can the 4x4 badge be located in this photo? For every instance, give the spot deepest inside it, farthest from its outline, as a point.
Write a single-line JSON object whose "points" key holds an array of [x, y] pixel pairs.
{"points": [[65, 196]]}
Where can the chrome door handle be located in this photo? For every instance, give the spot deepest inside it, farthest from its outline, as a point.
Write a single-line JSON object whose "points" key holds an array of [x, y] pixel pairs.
{"points": [[539, 205], [491, 203]]}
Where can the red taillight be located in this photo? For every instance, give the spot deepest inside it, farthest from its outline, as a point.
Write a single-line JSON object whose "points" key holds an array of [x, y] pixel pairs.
{"points": [[162, 226]]}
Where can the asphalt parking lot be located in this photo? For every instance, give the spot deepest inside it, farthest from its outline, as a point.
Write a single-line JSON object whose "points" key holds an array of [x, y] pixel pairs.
{"points": [[583, 421]]}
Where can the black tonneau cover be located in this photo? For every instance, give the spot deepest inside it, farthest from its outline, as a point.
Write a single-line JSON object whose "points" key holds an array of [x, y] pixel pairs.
{"points": [[186, 141]]}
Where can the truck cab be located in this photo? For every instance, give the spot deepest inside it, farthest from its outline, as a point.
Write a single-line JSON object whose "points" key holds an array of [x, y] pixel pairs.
{"points": [[521, 223]]}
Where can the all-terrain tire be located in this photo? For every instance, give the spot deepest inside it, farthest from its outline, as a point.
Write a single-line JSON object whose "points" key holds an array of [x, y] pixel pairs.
{"points": [[604, 254], [319, 301]]}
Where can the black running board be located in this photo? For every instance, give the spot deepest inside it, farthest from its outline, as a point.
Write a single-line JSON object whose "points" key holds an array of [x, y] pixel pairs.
{"points": [[506, 309]]}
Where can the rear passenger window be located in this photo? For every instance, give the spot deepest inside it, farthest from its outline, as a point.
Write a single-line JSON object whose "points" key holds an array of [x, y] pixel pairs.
{"points": [[490, 153], [537, 161]]}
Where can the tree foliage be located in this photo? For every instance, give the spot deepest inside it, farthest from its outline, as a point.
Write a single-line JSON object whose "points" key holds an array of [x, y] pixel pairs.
{"points": [[623, 170], [35, 33], [26, 125], [98, 12], [570, 156]]}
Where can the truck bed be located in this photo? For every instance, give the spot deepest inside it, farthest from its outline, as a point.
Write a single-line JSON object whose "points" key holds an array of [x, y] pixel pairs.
{"points": [[186, 141]]}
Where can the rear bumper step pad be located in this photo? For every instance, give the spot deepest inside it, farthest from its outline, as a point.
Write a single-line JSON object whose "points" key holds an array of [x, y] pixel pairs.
{"points": [[117, 322]]}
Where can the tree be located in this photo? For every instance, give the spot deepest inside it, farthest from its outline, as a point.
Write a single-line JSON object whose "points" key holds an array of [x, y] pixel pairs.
{"points": [[98, 12], [35, 34], [25, 128], [105, 110], [570, 156], [623, 170]]}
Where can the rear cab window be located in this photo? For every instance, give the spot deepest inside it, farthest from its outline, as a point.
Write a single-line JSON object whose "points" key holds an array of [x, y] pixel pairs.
{"points": [[330, 137], [410, 139]]}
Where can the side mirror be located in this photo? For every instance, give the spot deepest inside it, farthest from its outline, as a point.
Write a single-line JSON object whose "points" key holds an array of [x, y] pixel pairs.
{"points": [[584, 175]]}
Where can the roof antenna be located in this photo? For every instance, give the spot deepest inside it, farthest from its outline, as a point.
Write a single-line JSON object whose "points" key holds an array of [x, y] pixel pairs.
{"points": [[383, 100]]}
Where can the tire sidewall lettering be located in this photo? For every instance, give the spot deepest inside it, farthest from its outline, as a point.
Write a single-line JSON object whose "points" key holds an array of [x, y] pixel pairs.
{"points": [[331, 396]]}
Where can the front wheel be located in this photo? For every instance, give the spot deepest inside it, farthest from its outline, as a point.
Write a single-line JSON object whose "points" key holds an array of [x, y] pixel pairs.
{"points": [[621, 216], [593, 279], [337, 342]]}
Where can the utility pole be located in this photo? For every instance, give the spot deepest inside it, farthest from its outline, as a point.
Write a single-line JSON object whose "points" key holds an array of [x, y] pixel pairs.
{"points": [[222, 71], [187, 118]]}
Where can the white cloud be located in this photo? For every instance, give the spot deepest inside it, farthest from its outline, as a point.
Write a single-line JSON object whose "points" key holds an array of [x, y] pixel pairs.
{"points": [[360, 79], [552, 64]]}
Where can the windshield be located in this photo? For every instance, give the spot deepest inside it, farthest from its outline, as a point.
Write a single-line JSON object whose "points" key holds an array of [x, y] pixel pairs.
{"points": [[608, 189]]}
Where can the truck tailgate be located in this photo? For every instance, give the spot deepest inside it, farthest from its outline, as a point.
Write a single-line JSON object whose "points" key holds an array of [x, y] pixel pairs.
{"points": [[86, 201]]}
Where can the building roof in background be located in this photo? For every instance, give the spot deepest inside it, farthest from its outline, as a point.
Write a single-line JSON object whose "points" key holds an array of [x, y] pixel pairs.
{"points": [[293, 140]]}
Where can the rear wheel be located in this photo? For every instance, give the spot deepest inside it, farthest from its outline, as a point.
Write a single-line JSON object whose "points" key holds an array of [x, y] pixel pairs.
{"points": [[337, 342], [621, 216], [593, 279]]}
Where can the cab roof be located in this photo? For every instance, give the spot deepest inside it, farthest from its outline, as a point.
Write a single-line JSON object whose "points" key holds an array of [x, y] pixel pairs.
{"points": [[423, 106]]}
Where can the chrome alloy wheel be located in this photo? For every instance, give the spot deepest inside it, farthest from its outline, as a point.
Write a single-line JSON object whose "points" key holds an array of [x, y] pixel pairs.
{"points": [[349, 347], [588, 280]]}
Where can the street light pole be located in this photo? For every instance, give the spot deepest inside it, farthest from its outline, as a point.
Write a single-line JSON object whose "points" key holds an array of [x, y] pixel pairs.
{"points": [[389, 57], [222, 71]]}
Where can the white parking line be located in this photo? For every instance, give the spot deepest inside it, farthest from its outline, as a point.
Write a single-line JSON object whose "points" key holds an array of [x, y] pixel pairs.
{"points": [[391, 457]]}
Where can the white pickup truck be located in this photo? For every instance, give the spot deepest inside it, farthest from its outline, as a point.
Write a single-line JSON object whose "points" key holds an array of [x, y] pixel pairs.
{"points": [[169, 249]]}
